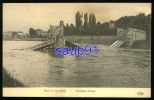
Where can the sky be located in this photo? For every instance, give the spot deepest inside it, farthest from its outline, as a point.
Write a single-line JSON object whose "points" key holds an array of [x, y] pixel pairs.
{"points": [[22, 16]]}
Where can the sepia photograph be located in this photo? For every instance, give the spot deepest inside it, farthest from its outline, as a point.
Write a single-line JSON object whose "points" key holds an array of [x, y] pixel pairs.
{"points": [[76, 45]]}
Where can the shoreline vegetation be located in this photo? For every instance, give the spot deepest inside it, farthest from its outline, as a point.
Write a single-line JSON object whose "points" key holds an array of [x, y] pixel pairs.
{"points": [[9, 81]]}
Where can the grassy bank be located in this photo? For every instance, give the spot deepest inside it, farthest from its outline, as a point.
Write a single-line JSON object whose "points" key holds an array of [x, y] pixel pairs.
{"points": [[9, 81], [103, 39], [106, 40]]}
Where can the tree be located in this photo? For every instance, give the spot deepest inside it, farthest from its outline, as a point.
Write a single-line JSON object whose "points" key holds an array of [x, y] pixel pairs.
{"points": [[67, 25], [71, 25], [147, 27], [85, 26], [131, 21], [105, 25], [137, 21], [98, 24], [92, 23], [78, 20], [70, 30], [123, 22], [98, 27], [38, 30], [32, 32]]}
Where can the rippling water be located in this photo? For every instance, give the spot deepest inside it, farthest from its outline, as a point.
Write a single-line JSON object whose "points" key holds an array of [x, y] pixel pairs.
{"points": [[111, 67]]}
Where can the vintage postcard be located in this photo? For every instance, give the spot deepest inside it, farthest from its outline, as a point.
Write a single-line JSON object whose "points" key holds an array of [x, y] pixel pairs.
{"points": [[77, 50]]}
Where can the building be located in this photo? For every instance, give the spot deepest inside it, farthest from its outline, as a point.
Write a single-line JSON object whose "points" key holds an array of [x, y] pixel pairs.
{"points": [[57, 35], [57, 30], [42, 33], [22, 35], [131, 34], [12, 34]]}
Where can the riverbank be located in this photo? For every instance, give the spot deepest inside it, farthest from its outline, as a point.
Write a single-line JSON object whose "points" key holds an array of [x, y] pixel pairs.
{"points": [[9, 81], [106, 40]]}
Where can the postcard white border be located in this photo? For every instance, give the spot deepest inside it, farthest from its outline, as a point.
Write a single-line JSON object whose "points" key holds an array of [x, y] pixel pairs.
{"points": [[77, 92]]}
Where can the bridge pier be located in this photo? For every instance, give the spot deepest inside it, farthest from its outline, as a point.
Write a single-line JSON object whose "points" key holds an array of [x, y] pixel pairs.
{"points": [[57, 35]]}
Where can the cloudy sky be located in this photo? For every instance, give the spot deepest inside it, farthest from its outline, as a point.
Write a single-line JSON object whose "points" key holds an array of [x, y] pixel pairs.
{"points": [[21, 17]]}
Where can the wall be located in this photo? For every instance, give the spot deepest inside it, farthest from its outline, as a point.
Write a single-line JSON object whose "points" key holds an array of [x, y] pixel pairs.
{"points": [[131, 34], [136, 34]]}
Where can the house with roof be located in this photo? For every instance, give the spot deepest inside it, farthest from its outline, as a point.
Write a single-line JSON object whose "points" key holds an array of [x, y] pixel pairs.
{"points": [[13, 34]]}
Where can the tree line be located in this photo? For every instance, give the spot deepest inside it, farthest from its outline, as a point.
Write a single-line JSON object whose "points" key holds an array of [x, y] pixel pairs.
{"points": [[85, 24]]}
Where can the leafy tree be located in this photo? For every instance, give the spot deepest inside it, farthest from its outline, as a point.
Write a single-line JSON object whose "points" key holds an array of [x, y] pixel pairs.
{"points": [[85, 26], [72, 26], [138, 21], [105, 25], [78, 20], [98, 28], [70, 30], [123, 22], [67, 24], [38, 30], [147, 27], [32, 32], [92, 23], [98, 24], [131, 21]]}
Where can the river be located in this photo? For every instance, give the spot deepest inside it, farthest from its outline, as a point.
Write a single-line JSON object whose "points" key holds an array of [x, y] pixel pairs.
{"points": [[111, 67]]}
